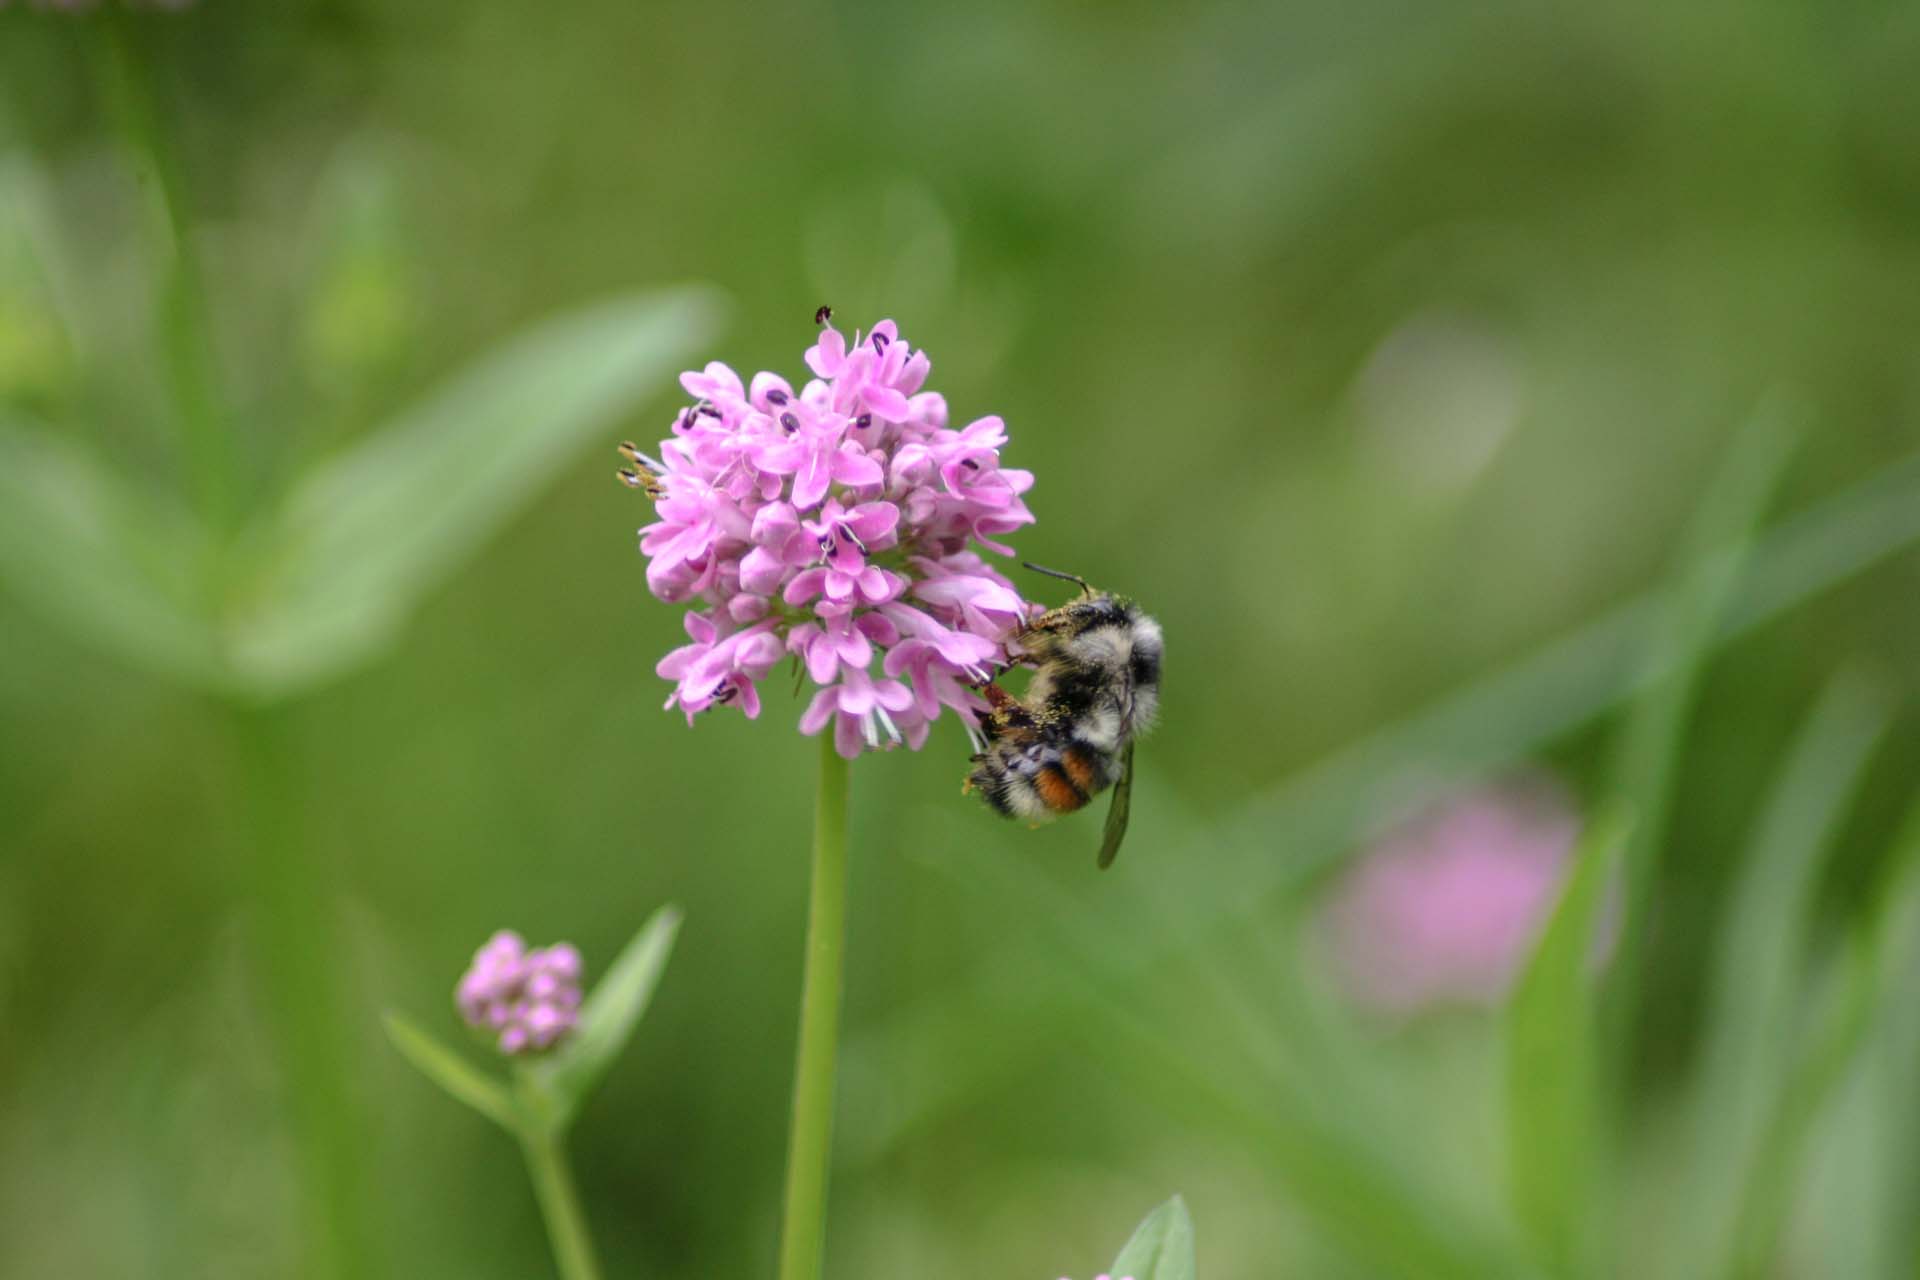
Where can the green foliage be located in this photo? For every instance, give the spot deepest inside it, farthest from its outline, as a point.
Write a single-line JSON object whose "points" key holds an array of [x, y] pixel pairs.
{"points": [[324, 581], [1555, 1117], [1753, 1036], [363, 535], [1395, 357], [1703, 590], [1161, 1247], [607, 1019], [120, 569], [547, 1094], [451, 1071]]}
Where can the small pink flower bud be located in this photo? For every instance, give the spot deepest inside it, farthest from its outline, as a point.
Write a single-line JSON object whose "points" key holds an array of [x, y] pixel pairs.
{"points": [[530, 1000]]}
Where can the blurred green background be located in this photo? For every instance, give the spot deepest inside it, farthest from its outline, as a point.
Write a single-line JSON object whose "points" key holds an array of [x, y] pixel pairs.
{"points": [[1386, 351]]}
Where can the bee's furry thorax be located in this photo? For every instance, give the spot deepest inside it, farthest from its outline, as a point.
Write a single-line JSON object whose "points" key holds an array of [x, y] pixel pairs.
{"points": [[1095, 688]]}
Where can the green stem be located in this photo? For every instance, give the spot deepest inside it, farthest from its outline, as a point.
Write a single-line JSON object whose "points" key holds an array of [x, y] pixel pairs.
{"points": [[182, 321], [559, 1204], [299, 956], [810, 1140]]}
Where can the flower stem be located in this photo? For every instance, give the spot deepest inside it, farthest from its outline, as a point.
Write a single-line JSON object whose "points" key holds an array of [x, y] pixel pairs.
{"points": [[299, 958], [182, 322], [559, 1204], [810, 1139]]}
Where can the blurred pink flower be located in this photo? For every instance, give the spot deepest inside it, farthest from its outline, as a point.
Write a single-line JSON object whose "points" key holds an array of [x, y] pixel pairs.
{"points": [[835, 523], [1445, 908], [528, 999]]}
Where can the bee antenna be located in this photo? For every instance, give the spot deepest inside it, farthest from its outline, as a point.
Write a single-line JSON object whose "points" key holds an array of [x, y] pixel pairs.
{"points": [[1055, 573]]}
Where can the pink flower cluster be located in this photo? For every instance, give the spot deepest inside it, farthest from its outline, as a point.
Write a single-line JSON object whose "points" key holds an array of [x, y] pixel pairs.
{"points": [[835, 523], [529, 998], [1446, 908]]}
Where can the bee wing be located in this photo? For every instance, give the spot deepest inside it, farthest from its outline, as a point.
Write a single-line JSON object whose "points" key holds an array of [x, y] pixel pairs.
{"points": [[1119, 811]]}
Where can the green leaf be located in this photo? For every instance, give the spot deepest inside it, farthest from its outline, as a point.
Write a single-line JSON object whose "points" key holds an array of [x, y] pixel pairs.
{"points": [[115, 567], [1553, 1061], [360, 308], [363, 536], [1161, 1247], [1759, 982], [607, 1019], [452, 1072], [1720, 541], [1864, 1000]]}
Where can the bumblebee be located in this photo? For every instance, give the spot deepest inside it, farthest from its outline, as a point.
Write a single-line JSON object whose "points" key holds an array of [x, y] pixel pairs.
{"points": [[1095, 689]]}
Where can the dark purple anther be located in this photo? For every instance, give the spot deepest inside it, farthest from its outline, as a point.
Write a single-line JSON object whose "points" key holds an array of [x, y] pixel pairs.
{"points": [[863, 421], [970, 464], [791, 423], [776, 396], [879, 342]]}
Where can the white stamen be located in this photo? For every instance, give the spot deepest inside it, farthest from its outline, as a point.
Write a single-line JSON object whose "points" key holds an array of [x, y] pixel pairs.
{"points": [[887, 720], [867, 731]]}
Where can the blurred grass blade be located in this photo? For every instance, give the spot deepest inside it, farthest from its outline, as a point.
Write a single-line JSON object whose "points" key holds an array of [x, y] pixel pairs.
{"points": [[1353, 1191], [1350, 1170], [1312, 815], [1896, 1055], [1161, 1247], [364, 535], [1840, 1030], [1553, 1068], [1647, 766], [1871, 994], [451, 1071], [115, 568], [608, 1018], [1758, 977]]}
